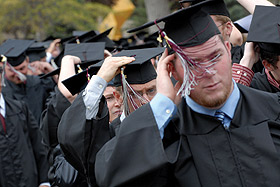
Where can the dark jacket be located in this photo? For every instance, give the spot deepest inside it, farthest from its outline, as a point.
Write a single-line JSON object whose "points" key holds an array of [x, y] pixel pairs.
{"points": [[23, 159], [61, 173], [34, 92]]}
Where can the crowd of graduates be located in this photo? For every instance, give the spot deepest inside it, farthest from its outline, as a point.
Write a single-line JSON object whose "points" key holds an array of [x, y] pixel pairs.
{"points": [[194, 104]]}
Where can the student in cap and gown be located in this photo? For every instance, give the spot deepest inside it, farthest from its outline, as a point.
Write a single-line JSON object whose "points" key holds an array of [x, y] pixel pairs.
{"points": [[61, 173], [20, 86], [23, 159], [81, 136], [240, 149], [265, 45]]}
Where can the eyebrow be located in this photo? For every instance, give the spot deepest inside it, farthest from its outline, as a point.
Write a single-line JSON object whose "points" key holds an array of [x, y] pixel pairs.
{"points": [[210, 56]]}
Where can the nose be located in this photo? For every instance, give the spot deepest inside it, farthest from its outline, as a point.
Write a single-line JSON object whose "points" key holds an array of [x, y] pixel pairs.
{"points": [[146, 97]]}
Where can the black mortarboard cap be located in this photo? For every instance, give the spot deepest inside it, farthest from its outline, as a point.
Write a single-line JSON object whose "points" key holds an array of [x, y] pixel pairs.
{"points": [[265, 28], [36, 51], [216, 7], [103, 37], [187, 27], [89, 53], [243, 24], [15, 50], [139, 71]]}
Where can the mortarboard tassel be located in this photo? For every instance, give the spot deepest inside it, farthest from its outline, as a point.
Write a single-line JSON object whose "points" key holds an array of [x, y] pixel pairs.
{"points": [[127, 96], [21, 76]]}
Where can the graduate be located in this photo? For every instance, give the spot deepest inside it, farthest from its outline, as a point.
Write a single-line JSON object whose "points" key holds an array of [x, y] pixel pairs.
{"points": [[23, 159], [84, 127], [224, 134], [20, 86], [264, 44], [61, 173]]}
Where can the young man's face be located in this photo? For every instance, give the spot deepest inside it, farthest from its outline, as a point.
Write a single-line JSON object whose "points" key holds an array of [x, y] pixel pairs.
{"points": [[12, 76], [213, 88], [147, 90], [115, 107]]}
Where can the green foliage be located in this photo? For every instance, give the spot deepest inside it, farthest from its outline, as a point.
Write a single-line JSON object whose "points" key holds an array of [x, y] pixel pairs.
{"points": [[236, 10], [41, 18], [139, 16]]}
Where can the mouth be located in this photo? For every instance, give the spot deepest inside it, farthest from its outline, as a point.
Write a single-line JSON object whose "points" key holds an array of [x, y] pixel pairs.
{"points": [[212, 86], [119, 112]]}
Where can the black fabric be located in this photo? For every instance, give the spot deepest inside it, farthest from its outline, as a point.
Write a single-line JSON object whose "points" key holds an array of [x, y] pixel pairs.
{"points": [[237, 53], [23, 159], [260, 82], [203, 152], [61, 173], [264, 28], [34, 92], [80, 139]]}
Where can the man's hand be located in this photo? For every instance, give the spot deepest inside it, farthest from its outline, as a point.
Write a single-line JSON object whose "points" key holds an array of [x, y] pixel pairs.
{"points": [[251, 55], [164, 83], [111, 67]]}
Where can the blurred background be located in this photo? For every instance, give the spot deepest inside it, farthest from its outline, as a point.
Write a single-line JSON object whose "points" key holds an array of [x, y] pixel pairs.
{"points": [[49, 19]]}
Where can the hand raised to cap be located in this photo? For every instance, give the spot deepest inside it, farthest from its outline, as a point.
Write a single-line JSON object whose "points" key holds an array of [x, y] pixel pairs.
{"points": [[164, 83], [111, 67]]}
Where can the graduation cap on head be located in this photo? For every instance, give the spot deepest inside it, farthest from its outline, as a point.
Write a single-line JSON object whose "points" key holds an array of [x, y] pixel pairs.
{"points": [[15, 50], [36, 51], [103, 37], [89, 53], [243, 24], [187, 27], [139, 71], [265, 28]]}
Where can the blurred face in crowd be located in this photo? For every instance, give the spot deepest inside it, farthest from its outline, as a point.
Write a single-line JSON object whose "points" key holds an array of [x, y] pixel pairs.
{"points": [[12, 76], [115, 108], [213, 88], [147, 91]]}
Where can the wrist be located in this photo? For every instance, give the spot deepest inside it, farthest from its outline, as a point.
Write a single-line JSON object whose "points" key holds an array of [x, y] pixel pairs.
{"points": [[247, 62]]}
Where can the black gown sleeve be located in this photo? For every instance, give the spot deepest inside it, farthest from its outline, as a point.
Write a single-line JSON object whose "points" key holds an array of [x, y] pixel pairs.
{"points": [[80, 139], [39, 150]]}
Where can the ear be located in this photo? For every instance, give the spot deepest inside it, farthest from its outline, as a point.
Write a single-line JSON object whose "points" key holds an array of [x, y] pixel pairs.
{"points": [[228, 28], [267, 65], [172, 70], [27, 59]]}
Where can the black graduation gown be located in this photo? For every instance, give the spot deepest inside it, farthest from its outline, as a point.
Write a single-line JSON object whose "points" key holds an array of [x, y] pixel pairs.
{"points": [[34, 93], [201, 152], [23, 159], [260, 82], [80, 139], [61, 173]]}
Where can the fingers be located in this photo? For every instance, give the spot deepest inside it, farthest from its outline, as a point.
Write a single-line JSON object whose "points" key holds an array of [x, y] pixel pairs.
{"points": [[111, 67]]}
